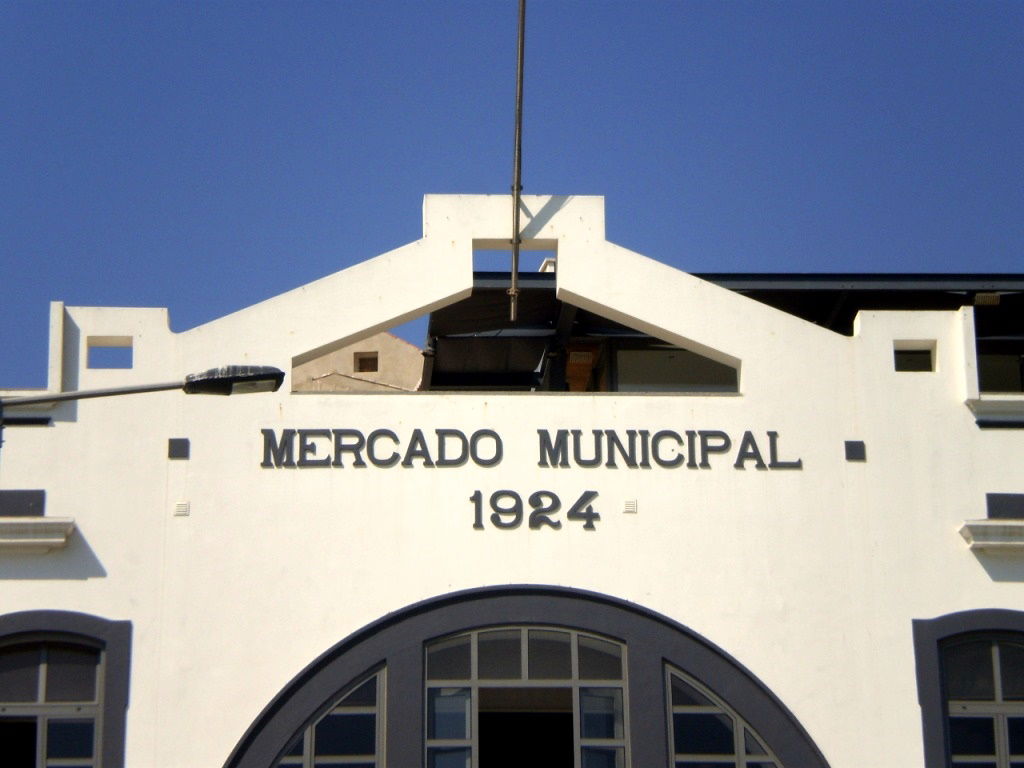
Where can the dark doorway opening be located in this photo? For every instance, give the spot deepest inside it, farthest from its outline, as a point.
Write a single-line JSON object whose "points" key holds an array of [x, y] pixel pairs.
{"points": [[521, 727]]}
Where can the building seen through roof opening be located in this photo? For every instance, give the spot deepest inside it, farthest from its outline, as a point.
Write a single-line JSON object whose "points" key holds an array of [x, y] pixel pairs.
{"points": [[663, 520]]}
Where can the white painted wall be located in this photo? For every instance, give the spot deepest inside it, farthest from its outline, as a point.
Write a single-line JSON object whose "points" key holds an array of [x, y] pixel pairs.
{"points": [[810, 578]]}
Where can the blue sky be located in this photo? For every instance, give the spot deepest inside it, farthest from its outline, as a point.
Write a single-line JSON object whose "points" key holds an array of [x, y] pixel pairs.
{"points": [[203, 156]]}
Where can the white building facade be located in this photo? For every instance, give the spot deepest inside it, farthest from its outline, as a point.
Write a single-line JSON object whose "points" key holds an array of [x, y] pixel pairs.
{"points": [[808, 554]]}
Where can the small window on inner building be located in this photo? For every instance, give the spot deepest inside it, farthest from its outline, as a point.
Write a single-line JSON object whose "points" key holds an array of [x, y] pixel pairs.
{"points": [[365, 362]]}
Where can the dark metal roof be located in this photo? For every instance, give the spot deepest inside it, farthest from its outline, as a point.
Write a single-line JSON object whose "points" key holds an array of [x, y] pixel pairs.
{"points": [[472, 343], [876, 281]]}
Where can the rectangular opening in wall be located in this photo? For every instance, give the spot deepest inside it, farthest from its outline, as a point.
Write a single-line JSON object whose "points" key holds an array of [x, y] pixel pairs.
{"points": [[914, 356], [109, 351], [999, 339], [1000, 371], [365, 362], [531, 259], [670, 369], [1005, 506]]}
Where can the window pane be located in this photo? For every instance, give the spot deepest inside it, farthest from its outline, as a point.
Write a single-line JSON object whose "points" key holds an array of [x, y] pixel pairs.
{"points": [[972, 736], [603, 757], [18, 739], [967, 671], [448, 757], [19, 674], [685, 695], [498, 655], [345, 734], [71, 673], [1011, 668], [448, 659], [601, 713], [448, 713], [702, 734], [69, 738], [363, 696], [599, 660], [753, 746], [550, 657], [1015, 729]]}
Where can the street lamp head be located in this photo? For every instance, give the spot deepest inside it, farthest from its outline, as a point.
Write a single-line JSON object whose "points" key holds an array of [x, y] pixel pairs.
{"points": [[234, 379]]}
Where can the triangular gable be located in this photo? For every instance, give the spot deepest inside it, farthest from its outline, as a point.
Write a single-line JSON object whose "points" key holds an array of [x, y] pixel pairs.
{"points": [[436, 270]]}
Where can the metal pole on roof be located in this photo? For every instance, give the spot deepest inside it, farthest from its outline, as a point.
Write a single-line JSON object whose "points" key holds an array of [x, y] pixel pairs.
{"points": [[517, 184]]}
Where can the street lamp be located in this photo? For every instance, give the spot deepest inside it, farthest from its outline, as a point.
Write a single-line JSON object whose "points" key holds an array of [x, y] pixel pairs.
{"points": [[228, 380]]}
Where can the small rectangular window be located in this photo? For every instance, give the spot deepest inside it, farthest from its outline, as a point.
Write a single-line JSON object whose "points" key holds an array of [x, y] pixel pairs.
{"points": [[1005, 506], [914, 356], [365, 362], [109, 352]]}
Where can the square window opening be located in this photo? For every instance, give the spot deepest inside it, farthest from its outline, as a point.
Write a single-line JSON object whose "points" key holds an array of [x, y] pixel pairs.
{"points": [[109, 352], [365, 362], [496, 256], [914, 356]]}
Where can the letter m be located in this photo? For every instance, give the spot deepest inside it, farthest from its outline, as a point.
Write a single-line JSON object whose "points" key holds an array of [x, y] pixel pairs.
{"points": [[278, 453], [557, 453]]}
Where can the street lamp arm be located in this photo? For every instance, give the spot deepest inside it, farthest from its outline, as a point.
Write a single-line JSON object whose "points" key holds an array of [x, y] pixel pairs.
{"points": [[85, 394], [227, 380]]}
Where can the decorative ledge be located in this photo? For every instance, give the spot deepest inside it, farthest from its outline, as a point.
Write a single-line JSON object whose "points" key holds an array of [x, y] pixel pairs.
{"points": [[34, 535], [998, 409], [994, 535]]}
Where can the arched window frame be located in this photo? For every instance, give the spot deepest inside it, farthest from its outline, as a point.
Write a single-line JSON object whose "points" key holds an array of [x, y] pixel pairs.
{"points": [[396, 642], [111, 638], [714, 705], [304, 751], [929, 637]]}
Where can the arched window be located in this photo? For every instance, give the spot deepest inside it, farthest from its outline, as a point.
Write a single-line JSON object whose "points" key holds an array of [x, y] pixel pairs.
{"points": [[705, 731], [63, 690], [970, 679], [469, 679], [983, 682]]}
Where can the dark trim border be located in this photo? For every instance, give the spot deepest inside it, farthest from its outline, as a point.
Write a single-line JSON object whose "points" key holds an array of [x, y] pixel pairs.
{"points": [[929, 634], [115, 637], [396, 641]]}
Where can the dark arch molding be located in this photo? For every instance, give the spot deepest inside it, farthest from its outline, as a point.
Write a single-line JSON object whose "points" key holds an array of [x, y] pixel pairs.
{"points": [[929, 634], [396, 640], [114, 637]]}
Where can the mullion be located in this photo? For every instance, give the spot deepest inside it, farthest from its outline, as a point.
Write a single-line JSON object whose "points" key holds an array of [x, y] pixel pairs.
{"points": [[474, 700], [524, 661], [1000, 725], [1002, 741], [997, 677], [577, 711]]}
